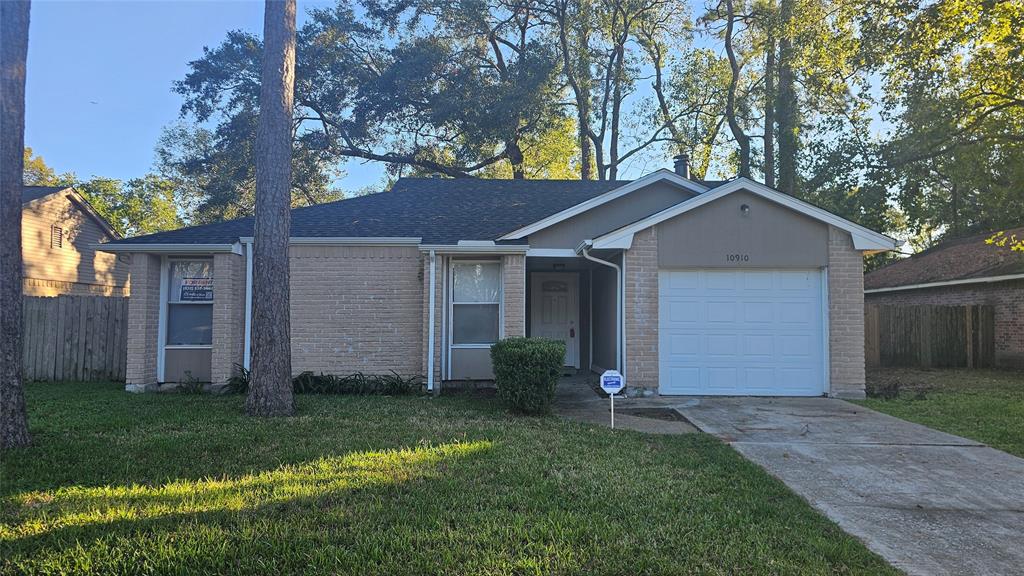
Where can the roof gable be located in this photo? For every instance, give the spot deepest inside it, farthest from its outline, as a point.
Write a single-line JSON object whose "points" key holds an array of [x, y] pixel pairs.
{"points": [[863, 238]]}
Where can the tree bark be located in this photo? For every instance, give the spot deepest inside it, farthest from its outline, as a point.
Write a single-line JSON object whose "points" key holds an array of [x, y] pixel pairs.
{"points": [[270, 391], [742, 139], [786, 111], [14, 16], [769, 112]]}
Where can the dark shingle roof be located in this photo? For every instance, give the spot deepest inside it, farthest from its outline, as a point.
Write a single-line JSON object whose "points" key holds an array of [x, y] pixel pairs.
{"points": [[959, 259], [30, 193], [438, 210]]}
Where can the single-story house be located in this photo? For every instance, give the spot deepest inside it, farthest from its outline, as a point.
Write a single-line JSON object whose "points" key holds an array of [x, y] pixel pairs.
{"points": [[59, 236], [686, 287], [960, 272]]}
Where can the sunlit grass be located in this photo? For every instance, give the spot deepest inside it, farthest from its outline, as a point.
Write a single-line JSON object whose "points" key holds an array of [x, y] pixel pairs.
{"points": [[984, 405], [158, 484]]}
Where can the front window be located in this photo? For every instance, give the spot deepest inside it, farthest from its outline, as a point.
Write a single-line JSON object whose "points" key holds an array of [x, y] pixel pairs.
{"points": [[476, 302], [190, 303]]}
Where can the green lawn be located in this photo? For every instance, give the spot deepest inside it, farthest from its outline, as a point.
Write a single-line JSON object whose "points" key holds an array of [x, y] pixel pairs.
{"points": [[147, 484], [984, 405]]}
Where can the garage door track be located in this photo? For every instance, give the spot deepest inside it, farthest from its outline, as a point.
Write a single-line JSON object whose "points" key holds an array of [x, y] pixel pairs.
{"points": [[928, 502]]}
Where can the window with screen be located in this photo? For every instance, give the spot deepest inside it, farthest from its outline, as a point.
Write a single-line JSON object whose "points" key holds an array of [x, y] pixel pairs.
{"points": [[476, 303], [189, 303]]}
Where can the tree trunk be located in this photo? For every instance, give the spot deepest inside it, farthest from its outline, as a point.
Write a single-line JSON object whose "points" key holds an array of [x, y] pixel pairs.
{"points": [[742, 139], [270, 393], [14, 17], [515, 159], [769, 112], [613, 146], [786, 104]]}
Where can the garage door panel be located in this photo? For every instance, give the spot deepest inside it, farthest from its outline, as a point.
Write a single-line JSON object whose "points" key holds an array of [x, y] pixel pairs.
{"points": [[741, 332]]}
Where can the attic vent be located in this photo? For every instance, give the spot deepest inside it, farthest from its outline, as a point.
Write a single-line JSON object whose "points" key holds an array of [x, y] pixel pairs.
{"points": [[56, 237]]}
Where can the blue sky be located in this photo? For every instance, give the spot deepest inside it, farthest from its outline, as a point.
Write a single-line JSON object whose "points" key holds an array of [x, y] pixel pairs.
{"points": [[100, 76]]}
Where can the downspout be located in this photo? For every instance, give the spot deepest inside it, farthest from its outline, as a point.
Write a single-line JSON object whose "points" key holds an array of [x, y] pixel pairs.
{"points": [[619, 296], [430, 327], [247, 353]]}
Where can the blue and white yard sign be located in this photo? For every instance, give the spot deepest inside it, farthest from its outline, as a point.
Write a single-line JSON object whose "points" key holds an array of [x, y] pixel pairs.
{"points": [[612, 382]]}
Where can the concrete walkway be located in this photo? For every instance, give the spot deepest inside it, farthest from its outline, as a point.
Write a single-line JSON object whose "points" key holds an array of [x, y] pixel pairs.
{"points": [[928, 502], [577, 400]]}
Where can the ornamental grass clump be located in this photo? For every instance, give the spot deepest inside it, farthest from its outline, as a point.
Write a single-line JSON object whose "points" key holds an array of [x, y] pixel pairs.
{"points": [[526, 371]]}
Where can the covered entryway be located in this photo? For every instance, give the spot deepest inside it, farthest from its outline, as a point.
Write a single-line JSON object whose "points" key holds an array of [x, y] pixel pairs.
{"points": [[741, 332]]}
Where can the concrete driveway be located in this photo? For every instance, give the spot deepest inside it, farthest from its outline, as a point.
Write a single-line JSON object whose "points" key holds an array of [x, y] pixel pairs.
{"points": [[928, 502]]}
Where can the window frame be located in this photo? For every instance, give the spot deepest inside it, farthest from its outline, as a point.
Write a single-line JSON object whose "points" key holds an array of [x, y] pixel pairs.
{"points": [[451, 303], [166, 303]]}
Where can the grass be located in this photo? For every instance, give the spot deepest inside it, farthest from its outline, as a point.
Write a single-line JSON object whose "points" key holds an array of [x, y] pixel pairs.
{"points": [[984, 405], [181, 484]]}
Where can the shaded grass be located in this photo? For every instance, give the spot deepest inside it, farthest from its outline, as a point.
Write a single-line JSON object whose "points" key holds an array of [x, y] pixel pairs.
{"points": [[983, 405], [178, 484]]}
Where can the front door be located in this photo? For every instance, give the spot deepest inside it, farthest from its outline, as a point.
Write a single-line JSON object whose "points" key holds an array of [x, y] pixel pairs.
{"points": [[554, 311]]}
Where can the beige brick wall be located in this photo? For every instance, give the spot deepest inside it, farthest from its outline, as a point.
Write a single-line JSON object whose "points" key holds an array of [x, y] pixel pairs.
{"points": [[228, 315], [641, 311], [440, 264], [356, 309], [143, 322], [513, 277], [846, 315]]}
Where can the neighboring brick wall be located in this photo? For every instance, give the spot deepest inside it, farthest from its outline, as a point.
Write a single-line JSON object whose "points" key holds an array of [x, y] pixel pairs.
{"points": [[641, 311], [440, 264], [356, 309], [143, 322], [513, 277], [846, 315], [1007, 298], [228, 315]]}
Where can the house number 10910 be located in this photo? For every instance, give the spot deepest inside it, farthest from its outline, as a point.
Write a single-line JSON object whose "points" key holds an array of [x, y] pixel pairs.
{"points": [[737, 257]]}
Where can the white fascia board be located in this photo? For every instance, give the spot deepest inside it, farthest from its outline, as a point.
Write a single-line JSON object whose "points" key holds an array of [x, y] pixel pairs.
{"points": [[235, 248], [552, 252], [863, 238], [983, 280], [660, 175], [347, 241], [476, 249]]}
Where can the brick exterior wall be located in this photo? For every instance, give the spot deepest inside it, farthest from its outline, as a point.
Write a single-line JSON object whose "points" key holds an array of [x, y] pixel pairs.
{"points": [[143, 323], [440, 264], [513, 277], [846, 315], [356, 309], [641, 311], [1006, 297], [228, 315]]}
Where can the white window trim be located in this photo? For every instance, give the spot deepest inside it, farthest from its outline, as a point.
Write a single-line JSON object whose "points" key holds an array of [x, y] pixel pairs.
{"points": [[161, 340], [449, 299]]}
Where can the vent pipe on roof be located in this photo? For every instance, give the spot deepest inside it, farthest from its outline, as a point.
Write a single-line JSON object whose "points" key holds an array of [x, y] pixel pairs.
{"points": [[682, 165]]}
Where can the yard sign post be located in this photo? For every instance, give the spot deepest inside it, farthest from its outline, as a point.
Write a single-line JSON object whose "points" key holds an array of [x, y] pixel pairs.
{"points": [[612, 382]]}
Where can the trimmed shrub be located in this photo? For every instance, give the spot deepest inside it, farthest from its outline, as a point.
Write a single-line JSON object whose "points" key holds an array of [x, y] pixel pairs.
{"points": [[526, 371], [392, 384]]}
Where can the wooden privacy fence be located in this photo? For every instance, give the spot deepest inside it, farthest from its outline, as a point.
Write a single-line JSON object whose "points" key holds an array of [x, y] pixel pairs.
{"points": [[75, 337], [929, 336]]}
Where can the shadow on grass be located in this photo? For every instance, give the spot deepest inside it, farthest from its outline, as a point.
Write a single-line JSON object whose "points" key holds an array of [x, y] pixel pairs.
{"points": [[44, 515]]}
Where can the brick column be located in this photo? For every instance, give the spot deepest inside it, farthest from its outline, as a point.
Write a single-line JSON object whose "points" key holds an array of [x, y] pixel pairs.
{"points": [[228, 315], [641, 312], [846, 315], [439, 264], [143, 321], [513, 279]]}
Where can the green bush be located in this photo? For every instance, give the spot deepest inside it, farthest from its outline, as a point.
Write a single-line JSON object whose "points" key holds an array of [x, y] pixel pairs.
{"points": [[392, 384], [526, 371]]}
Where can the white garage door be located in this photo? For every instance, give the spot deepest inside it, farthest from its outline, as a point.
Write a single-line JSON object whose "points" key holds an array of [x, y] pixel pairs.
{"points": [[741, 332]]}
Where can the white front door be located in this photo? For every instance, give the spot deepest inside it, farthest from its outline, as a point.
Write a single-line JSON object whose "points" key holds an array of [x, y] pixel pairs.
{"points": [[741, 332], [554, 311]]}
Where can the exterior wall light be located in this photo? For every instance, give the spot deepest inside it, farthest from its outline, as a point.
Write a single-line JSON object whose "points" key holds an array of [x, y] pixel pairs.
{"points": [[745, 210]]}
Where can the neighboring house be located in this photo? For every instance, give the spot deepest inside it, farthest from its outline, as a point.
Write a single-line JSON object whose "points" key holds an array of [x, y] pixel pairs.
{"points": [[960, 272], [685, 287], [59, 234]]}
